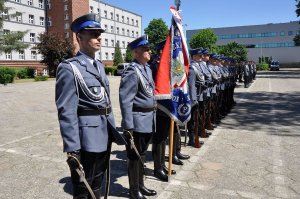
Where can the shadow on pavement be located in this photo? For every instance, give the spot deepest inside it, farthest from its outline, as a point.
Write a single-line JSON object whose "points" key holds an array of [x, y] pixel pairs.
{"points": [[284, 73], [68, 188]]}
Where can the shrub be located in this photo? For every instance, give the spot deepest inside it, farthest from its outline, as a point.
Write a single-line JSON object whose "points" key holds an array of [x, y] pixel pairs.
{"points": [[7, 75], [25, 73], [41, 78], [262, 66], [111, 70]]}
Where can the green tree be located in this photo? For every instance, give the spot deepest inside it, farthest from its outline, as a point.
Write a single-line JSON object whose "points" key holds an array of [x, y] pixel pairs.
{"points": [[234, 50], [204, 39], [157, 31], [118, 55], [297, 37], [10, 40], [54, 49], [128, 56]]}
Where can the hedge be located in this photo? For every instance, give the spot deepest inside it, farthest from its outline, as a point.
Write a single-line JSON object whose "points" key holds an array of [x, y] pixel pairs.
{"points": [[262, 66], [41, 78], [111, 70], [23, 73], [7, 75]]}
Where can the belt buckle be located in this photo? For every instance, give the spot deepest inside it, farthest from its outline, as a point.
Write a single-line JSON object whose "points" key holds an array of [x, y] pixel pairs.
{"points": [[106, 111]]}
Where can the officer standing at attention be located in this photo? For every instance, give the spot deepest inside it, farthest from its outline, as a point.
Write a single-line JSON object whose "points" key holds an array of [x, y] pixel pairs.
{"points": [[138, 105], [86, 121]]}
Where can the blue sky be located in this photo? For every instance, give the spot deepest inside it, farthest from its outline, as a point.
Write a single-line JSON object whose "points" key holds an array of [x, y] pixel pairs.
{"points": [[198, 14]]}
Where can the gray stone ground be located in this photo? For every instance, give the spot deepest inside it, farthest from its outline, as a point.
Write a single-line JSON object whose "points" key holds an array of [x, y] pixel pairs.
{"points": [[254, 152]]}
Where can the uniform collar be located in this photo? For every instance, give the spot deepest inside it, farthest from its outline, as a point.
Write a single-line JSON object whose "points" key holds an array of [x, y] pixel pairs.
{"points": [[91, 60]]}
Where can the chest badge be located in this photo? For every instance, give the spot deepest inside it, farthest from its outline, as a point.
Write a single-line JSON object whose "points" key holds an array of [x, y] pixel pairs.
{"points": [[95, 90]]}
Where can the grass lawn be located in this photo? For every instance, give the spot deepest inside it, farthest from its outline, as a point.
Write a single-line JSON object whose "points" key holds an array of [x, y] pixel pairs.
{"points": [[29, 80]]}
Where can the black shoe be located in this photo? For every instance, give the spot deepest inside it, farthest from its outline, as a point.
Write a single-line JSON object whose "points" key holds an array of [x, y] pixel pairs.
{"points": [[176, 161], [160, 174], [166, 170], [136, 195], [182, 156], [147, 192]]}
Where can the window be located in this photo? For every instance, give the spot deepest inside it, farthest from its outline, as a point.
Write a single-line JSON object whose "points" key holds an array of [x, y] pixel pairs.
{"points": [[31, 19], [33, 54], [98, 11], [45, 72], [112, 55], [123, 19], [5, 14], [282, 33], [18, 1], [66, 26], [136, 22], [7, 56], [132, 33], [48, 4], [123, 31], [19, 17], [42, 21], [21, 54], [290, 33], [118, 30], [35, 72], [112, 43], [66, 17], [106, 56], [112, 29], [137, 34], [6, 32], [117, 16], [67, 34], [41, 4], [105, 27], [105, 13], [32, 37], [30, 2], [127, 32], [111, 15], [106, 42], [91, 9], [123, 44], [65, 7], [127, 20], [132, 22], [49, 21]]}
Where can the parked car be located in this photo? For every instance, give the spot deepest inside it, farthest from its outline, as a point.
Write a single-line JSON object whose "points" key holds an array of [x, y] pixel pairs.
{"points": [[121, 67], [274, 65]]}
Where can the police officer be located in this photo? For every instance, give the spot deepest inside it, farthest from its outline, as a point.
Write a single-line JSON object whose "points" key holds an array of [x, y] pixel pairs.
{"points": [[196, 83], [163, 121], [136, 95], [84, 109]]}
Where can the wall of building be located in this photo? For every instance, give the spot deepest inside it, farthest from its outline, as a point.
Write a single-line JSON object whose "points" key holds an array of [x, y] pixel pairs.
{"points": [[34, 26], [268, 40]]}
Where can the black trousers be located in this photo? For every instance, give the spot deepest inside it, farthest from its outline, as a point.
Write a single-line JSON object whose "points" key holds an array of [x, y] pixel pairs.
{"points": [[162, 128], [141, 142], [94, 165]]}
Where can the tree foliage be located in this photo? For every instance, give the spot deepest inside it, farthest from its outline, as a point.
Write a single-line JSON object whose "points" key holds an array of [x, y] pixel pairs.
{"points": [[234, 50], [297, 37], [298, 8], [128, 56], [297, 40], [204, 39], [10, 41], [157, 31], [118, 55], [54, 50]]}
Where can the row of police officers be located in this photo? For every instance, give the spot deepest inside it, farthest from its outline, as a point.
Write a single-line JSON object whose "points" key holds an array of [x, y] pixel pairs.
{"points": [[87, 123]]}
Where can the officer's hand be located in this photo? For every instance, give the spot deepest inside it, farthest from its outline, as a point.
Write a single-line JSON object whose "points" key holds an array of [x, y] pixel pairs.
{"points": [[128, 133], [73, 160]]}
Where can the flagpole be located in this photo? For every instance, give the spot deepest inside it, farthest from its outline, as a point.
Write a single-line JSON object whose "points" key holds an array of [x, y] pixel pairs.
{"points": [[171, 138]]}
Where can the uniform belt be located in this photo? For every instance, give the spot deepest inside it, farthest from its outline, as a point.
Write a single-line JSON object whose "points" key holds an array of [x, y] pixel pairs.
{"points": [[144, 110], [87, 112]]}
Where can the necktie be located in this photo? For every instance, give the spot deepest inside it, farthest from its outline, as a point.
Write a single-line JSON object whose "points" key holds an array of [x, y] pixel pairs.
{"points": [[96, 66]]}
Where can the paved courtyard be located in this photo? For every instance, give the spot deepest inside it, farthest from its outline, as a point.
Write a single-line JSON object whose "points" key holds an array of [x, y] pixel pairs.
{"points": [[254, 152]]}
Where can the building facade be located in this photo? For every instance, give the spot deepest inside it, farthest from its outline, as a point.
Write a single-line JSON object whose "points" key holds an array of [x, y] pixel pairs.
{"points": [[268, 40], [121, 26], [31, 19], [56, 16]]}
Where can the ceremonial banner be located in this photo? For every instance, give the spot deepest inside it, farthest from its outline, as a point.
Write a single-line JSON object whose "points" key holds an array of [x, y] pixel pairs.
{"points": [[171, 87]]}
